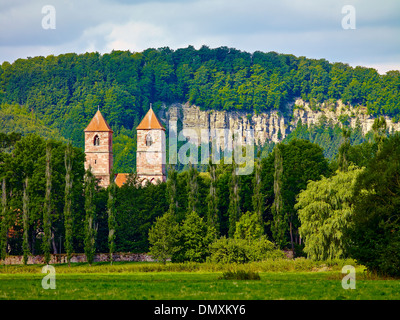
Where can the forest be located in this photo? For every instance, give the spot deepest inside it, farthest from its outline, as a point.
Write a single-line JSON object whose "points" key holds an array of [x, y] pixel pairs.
{"points": [[295, 199], [325, 192], [63, 91]]}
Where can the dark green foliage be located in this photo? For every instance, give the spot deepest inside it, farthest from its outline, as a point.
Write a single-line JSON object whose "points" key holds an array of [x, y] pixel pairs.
{"points": [[68, 202], [375, 237], [25, 220], [47, 208], [90, 217], [64, 91], [111, 217], [301, 161]]}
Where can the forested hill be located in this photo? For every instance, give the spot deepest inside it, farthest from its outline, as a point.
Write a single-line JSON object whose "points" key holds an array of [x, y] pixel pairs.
{"points": [[64, 91]]}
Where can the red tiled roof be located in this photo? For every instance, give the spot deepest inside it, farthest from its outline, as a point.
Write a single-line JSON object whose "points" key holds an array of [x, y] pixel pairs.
{"points": [[98, 123], [120, 179], [150, 121]]}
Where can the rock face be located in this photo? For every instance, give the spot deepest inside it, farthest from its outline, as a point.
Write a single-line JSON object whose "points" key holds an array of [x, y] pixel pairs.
{"points": [[270, 126]]}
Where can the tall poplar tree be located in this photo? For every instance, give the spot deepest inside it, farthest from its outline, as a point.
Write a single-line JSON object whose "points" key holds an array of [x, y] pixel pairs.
{"points": [[234, 201], [112, 224], [171, 190], [68, 202], [258, 198], [212, 199], [47, 208], [279, 221], [4, 220], [193, 188], [90, 229], [25, 220]]}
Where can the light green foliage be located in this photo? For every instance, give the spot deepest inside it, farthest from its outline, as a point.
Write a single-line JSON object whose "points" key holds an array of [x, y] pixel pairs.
{"points": [[163, 237], [248, 227], [195, 238], [230, 250], [325, 210]]}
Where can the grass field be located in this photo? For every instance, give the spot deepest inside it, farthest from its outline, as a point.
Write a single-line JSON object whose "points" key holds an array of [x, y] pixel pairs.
{"points": [[153, 281]]}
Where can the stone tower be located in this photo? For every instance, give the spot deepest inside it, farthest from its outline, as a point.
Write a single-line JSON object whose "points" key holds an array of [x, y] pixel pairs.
{"points": [[151, 156], [98, 149]]}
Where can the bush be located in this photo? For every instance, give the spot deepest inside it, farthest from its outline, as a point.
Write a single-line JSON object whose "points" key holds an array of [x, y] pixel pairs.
{"points": [[240, 275], [231, 250]]}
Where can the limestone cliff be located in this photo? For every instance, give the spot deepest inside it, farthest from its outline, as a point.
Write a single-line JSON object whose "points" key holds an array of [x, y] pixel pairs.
{"points": [[269, 126]]}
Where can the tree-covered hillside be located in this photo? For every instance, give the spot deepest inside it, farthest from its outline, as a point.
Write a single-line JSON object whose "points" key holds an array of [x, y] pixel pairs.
{"points": [[64, 91]]}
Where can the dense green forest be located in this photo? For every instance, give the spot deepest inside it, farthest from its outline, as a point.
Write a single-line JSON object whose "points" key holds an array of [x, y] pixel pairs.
{"points": [[294, 199], [319, 192], [64, 91]]}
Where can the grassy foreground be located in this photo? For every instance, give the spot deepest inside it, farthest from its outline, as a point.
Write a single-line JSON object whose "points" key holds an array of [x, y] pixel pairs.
{"points": [[285, 279]]}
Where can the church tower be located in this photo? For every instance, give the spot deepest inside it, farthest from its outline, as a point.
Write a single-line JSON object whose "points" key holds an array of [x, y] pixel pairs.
{"points": [[98, 149], [151, 155]]}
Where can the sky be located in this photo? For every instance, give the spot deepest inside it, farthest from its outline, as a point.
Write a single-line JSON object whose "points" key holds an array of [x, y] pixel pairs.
{"points": [[357, 32]]}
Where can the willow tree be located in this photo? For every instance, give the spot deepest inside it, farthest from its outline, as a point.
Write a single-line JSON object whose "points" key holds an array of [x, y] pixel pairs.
{"points": [[325, 210], [47, 208]]}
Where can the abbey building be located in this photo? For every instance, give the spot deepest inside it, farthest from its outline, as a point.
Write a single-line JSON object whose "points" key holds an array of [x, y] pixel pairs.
{"points": [[150, 157]]}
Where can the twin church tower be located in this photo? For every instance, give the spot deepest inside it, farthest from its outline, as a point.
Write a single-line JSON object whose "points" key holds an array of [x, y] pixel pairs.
{"points": [[150, 156]]}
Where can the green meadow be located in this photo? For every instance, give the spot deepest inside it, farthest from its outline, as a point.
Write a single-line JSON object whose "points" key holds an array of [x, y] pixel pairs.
{"points": [[279, 280]]}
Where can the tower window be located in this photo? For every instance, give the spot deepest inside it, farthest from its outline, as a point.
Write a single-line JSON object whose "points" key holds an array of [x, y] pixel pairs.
{"points": [[149, 140], [96, 141]]}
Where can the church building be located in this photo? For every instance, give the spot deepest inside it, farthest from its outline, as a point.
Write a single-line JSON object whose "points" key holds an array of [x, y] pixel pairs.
{"points": [[150, 156]]}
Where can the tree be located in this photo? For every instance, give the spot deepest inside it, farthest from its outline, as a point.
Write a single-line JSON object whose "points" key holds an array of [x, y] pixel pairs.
{"points": [[68, 202], [248, 227], [111, 216], [163, 238], [375, 234], [344, 150], [279, 222], [325, 210], [258, 197], [234, 201], [196, 236], [379, 128], [212, 199], [90, 209], [47, 208], [4, 220], [171, 190], [193, 200], [25, 220]]}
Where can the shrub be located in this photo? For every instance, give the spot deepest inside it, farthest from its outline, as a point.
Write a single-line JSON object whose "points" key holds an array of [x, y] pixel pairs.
{"points": [[240, 275], [231, 250]]}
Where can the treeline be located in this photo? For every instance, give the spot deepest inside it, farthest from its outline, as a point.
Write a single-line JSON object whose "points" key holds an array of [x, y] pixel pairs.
{"points": [[294, 199], [65, 90]]}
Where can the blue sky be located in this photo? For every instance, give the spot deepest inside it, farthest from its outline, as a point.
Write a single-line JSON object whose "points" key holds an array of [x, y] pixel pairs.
{"points": [[311, 28]]}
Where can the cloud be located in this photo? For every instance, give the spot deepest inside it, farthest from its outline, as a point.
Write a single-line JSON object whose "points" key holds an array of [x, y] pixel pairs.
{"points": [[310, 28]]}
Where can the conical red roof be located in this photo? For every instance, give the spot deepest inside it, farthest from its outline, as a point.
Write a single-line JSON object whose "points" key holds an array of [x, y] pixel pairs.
{"points": [[98, 123], [150, 121]]}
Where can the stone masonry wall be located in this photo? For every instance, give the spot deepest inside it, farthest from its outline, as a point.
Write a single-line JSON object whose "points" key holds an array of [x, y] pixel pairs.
{"points": [[78, 257]]}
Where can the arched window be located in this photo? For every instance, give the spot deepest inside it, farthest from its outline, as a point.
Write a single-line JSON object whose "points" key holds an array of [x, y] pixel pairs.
{"points": [[96, 140], [149, 140]]}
